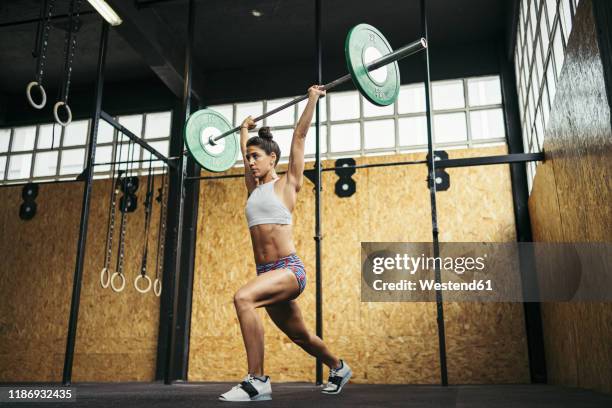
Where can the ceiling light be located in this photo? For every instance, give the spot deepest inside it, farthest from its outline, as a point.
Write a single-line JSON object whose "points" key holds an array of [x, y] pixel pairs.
{"points": [[256, 13], [106, 12]]}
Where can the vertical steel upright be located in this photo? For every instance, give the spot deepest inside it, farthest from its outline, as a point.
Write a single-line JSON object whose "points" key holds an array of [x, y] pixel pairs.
{"points": [[520, 199], [176, 366], [431, 180], [190, 221], [82, 241], [319, 77]]}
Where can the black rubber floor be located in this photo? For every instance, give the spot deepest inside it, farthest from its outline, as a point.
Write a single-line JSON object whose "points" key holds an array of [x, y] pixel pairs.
{"points": [[296, 395]]}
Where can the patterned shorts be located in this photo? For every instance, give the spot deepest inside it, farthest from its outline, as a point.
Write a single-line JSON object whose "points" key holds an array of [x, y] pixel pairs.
{"points": [[292, 262]]}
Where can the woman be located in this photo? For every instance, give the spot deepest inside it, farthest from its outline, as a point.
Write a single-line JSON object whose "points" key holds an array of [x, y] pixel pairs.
{"points": [[281, 277]]}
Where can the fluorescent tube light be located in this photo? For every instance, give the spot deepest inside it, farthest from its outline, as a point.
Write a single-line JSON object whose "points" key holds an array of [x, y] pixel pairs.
{"points": [[106, 12]]}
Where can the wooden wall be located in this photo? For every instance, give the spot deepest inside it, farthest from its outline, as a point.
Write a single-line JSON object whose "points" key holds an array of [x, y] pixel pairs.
{"points": [[485, 342], [570, 202], [117, 332]]}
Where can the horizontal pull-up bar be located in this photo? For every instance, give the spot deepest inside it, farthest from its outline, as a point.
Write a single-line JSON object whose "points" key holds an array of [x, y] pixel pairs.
{"points": [[447, 163], [490, 160]]}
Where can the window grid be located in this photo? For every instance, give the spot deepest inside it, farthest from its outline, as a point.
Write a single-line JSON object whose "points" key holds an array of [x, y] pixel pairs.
{"points": [[361, 127], [396, 127], [362, 120], [61, 149], [6, 165], [328, 124], [468, 120], [33, 157], [538, 64], [59, 154]]}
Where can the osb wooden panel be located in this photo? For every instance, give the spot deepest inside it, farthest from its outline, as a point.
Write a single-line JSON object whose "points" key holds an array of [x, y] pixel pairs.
{"points": [[544, 206], [594, 351], [570, 202], [485, 343], [391, 204], [478, 207], [379, 211], [577, 344], [117, 333]]}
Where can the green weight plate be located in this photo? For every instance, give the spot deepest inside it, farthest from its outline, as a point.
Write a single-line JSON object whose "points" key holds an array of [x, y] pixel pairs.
{"points": [[200, 126], [363, 45]]}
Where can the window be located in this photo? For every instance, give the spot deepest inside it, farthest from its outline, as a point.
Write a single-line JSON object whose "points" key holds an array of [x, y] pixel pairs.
{"points": [[484, 91], [448, 95], [467, 112], [76, 133], [23, 138], [345, 138], [411, 99], [487, 124], [379, 133], [48, 152], [243, 110], [413, 130], [283, 118], [344, 105], [157, 125], [542, 35], [19, 166]]}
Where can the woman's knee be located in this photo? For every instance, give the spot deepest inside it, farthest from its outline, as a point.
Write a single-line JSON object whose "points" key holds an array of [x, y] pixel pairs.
{"points": [[242, 299]]}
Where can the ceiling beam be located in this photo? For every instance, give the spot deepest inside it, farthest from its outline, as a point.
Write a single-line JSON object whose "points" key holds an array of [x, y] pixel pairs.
{"points": [[159, 48]]}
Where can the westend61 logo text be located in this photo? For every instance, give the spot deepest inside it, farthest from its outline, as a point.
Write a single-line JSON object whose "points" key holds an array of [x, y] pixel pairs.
{"points": [[412, 264], [407, 264]]}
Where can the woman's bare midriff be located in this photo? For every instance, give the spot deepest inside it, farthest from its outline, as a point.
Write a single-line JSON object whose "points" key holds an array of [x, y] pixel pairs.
{"points": [[271, 242]]}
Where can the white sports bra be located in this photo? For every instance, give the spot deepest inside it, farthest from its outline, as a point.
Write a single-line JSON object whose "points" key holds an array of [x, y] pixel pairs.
{"points": [[264, 207]]}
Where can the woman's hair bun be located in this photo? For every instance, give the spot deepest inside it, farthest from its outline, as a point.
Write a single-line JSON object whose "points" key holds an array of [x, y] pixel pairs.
{"points": [[265, 133]]}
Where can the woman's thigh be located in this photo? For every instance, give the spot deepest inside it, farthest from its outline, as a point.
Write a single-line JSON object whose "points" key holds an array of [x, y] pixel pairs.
{"points": [[270, 287], [288, 318]]}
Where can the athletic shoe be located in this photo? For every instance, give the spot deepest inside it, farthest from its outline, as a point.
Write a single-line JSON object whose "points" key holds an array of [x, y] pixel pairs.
{"points": [[337, 378], [250, 389]]}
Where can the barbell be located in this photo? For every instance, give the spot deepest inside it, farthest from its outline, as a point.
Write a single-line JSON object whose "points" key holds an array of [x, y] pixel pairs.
{"points": [[372, 66]]}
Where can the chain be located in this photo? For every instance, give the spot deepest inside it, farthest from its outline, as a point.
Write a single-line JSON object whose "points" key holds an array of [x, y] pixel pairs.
{"points": [[123, 226], [162, 225], [148, 207], [42, 44], [70, 45], [111, 216]]}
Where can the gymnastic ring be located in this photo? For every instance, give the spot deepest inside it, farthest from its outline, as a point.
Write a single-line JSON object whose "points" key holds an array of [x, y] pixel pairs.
{"points": [[42, 92], [157, 287], [136, 283], [56, 116], [113, 282], [106, 272]]}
